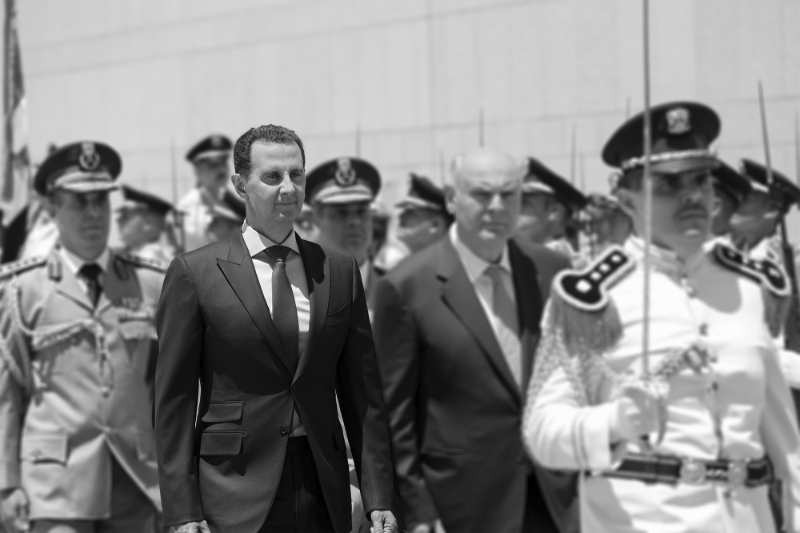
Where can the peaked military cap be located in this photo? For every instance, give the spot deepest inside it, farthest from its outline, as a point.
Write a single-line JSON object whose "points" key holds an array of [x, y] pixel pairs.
{"points": [[782, 187], [231, 208], [541, 179], [85, 166], [342, 181], [681, 136], [731, 181], [211, 147], [423, 194], [135, 198]]}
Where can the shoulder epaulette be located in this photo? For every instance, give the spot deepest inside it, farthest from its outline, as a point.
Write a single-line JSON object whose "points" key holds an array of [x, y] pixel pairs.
{"points": [[587, 289], [17, 267], [581, 306], [763, 271], [146, 262]]}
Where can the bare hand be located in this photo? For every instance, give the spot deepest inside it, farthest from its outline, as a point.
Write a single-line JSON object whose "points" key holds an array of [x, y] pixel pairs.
{"points": [[383, 521], [638, 412], [436, 527], [15, 511], [191, 527]]}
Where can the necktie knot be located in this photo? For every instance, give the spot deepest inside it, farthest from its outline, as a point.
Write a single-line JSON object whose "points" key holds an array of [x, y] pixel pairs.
{"points": [[278, 253], [495, 273], [91, 271]]}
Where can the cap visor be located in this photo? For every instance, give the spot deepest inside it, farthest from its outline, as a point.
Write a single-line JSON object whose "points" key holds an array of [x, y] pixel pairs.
{"points": [[88, 187], [211, 154], [417, 203], [346, 198]]}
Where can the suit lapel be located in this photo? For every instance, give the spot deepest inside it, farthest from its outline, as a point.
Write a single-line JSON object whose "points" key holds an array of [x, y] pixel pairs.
{"points": [[459, 294], [238, 269], [318, 275], [529, 306]]}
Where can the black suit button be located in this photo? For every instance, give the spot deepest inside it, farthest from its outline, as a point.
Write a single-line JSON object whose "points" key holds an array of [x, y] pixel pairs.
{"points": [[521, 458], [284, 430]]}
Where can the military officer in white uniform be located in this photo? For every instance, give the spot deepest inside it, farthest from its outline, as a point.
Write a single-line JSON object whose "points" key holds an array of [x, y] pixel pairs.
{"points": [[210, 158], [715, 403], [77, 348]]}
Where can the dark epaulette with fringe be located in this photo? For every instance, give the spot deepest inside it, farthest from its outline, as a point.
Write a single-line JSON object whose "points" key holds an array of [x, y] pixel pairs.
{"points": [[20, 266], [581, 304], [773, 280], [145, 262]]}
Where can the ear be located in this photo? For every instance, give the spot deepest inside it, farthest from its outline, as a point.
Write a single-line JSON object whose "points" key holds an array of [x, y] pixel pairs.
{"points": [[626, 202], [239, 183], [50, 205], [449, 197], [716, 206]]}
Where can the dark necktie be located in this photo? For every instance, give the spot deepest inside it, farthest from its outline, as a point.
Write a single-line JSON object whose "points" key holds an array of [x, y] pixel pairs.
{"points": [[284, 310], [91, 273]]}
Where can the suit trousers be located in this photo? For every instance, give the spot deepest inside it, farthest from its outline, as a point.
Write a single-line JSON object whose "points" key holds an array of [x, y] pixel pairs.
{"points": [[131, 511], [537, 517], [299, 505]]}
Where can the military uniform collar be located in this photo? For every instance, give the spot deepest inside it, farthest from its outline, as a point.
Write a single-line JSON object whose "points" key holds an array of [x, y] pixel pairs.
{"points": [[663, 259], [75, 263]]}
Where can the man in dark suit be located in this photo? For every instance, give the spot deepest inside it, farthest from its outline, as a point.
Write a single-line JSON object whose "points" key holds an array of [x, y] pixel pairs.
{"points": [[456, 327], [273, 327]]}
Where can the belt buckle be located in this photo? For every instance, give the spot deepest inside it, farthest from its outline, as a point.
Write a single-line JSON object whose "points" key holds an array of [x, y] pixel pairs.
{"points": [[693, 471], [737, 473]]}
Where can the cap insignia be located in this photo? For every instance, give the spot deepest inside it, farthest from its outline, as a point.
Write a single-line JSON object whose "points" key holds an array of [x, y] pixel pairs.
{"points": [[678, 121], [345, 174], [89, 158]]}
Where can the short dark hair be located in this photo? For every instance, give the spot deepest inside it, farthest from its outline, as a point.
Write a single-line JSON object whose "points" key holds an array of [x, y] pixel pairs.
{"points": [[264, 134]]}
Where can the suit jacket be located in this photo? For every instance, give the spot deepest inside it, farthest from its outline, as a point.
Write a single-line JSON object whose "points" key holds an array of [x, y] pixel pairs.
{"points": [[454, 407], [215, 325], [86, 405]]}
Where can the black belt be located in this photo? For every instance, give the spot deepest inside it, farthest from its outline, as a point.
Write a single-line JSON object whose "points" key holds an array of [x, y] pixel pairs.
{"points": [[671, 469]]}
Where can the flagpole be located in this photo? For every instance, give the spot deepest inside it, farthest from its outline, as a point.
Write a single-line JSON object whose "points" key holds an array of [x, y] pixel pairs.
{"points": [[648, 197]]}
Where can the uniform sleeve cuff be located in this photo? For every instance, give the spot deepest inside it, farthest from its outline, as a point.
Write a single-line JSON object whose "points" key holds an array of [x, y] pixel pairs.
{"points": [[598, 451]]}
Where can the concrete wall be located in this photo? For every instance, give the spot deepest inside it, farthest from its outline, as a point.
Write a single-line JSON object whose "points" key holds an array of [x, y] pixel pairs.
{"points": [[152, 76]]}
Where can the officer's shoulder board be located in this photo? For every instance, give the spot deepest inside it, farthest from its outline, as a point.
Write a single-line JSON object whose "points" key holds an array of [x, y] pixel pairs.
{"points": [[581, 305], [765, 272], [773, 280], [143, 262], [22, 265]]}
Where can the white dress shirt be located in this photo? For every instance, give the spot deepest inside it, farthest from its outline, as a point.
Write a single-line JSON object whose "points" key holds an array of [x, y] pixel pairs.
{"points": [[295, 271], [482, 283], [75, 263]]}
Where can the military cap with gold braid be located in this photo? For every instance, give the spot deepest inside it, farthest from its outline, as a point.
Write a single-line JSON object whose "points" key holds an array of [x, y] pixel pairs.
{"points": [[342, 181], [682, 133], [732, 182], [82, 167]]}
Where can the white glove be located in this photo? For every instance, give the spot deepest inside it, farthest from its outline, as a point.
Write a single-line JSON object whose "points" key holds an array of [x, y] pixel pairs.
{"points": [[638, 412]]}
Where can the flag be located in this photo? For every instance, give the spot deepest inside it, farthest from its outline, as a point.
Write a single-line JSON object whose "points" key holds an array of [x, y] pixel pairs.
{"points": [[15, 189]]}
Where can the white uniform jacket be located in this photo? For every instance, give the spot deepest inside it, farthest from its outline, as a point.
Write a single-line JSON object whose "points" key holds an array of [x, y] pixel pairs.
{"points": [[737, 407]]}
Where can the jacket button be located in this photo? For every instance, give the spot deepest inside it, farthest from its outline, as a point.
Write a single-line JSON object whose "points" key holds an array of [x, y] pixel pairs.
{"points": [[521, 459], [284, 430]]}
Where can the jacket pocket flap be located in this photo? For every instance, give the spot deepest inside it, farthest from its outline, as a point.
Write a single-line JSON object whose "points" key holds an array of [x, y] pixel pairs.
{"points": [[221, 443], [44, 448], [137, 329], [223, 412]]}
